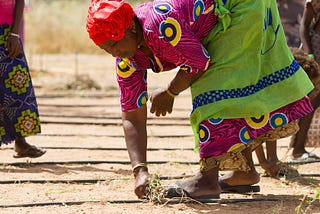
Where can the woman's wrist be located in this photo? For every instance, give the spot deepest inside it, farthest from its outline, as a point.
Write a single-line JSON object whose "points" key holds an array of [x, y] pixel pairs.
{"points": [[172, 94], [14, 35]]}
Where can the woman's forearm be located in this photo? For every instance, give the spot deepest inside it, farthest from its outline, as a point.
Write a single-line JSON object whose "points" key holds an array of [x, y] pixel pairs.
{"points": [[182, 81], [18, 14], [305, 39], [304, 29], [135, 132]]}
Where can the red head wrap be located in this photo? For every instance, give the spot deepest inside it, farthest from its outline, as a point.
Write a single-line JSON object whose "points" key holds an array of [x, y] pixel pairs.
{"points": [[108, 20]]}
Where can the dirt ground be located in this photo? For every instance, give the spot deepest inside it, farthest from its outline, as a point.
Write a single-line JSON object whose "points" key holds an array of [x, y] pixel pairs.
{"points": [[86, 168]]}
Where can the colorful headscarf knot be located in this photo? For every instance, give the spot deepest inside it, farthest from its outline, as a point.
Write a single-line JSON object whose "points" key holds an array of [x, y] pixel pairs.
{"points": [[108, 20]]}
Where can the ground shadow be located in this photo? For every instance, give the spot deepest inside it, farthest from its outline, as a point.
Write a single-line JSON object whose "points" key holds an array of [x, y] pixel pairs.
{"points": [[61, 169], [256, 204]]}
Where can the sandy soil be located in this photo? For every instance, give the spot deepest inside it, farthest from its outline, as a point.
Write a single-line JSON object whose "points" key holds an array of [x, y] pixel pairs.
{"points": [[86, 168]]}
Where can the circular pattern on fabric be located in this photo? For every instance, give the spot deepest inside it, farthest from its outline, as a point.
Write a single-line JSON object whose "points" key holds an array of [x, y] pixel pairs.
{"points": [[198, 9], [257, 122], [215, 121], [235, 147], [278, 120], [163, 8], [170, 30], [204, 133], [142, 99], [244, 135], [124, 67], [205, 52]]}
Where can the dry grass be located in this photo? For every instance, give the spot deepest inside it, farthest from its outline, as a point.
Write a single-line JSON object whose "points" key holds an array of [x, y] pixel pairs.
{"points": [[58, 26]]}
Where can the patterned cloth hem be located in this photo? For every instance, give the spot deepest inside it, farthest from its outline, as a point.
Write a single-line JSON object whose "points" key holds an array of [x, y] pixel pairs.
{"points": [[235, 160]]}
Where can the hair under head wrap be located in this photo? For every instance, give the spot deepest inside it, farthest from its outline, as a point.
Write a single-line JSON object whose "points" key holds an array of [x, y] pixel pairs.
{"points": [[108, 20]]}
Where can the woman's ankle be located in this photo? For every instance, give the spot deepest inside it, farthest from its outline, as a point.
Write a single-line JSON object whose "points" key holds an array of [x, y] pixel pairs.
{"points": [[20, 144]]}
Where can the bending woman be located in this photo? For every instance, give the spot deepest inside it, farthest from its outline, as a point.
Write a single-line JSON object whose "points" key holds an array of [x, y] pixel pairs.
{"points": [[234, 57]]}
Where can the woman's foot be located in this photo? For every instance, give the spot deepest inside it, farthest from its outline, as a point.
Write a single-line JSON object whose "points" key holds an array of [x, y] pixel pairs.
{"points": [[271, 169], [307, 156], [297, 153], [23, 149], [240, 178], [202, 185]]}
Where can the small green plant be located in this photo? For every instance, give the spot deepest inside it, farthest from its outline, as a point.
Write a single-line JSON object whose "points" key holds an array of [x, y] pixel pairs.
{"points": [[307, 203]]}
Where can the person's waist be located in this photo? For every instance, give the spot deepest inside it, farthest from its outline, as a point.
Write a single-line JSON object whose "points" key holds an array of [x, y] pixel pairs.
{"points": [[6, 18]]}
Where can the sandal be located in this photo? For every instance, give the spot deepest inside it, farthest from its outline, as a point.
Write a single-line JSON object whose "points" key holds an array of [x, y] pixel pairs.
{"points": [[305, 157], [177, 191], [240, 189], [31, 152]]}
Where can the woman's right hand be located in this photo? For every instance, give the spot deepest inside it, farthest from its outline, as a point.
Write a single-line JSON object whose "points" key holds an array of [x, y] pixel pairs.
{"points": [[13, 46], [142, 177]]}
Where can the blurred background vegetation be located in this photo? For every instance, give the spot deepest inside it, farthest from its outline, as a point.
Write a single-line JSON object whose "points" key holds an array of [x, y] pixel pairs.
{"points": [[58, 26]]}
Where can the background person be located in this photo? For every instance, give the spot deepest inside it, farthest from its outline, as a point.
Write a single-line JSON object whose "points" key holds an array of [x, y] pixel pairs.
{"points": [[19, 115], [270, 162], [309, 29]]}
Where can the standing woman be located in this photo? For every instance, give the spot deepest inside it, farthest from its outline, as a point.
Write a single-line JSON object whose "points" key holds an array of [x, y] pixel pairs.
{"points": [[244, 81], [310, 44], [310, 29], [19, 115]]}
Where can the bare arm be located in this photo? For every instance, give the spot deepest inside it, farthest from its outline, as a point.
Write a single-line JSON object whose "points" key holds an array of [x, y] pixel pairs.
{"points": [[13, 44], [18, 14], [304, 28], [182, 81], [134, 126]]}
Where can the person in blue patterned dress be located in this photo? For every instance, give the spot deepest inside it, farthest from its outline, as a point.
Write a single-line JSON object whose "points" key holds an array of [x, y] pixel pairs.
{"points": [[19, 115]]}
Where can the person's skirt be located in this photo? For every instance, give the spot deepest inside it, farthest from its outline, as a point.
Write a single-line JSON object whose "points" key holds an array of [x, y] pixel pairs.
{"points": [[254, 89], [19, 115]]}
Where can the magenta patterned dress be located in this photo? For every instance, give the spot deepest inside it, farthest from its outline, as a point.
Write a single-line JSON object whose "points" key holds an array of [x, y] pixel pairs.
{"points": [[173, 30], [175, 40]]}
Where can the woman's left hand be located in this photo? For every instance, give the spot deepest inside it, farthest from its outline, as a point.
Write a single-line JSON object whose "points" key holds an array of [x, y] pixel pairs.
{"points": [[162, 102]]}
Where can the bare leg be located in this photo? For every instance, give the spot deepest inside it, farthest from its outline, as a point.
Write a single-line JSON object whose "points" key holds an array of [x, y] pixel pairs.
{"points": [[261, 157], [270, 164], [300, 138], [21, 145], [272, 156], [237, 178]]}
